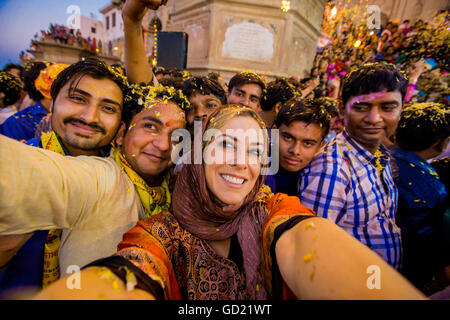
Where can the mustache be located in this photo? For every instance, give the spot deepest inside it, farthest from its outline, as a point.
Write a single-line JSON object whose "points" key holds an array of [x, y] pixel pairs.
{"points": [[92, 125]]}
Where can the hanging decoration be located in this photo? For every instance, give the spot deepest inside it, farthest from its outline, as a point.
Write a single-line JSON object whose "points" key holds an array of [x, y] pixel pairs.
{"points": [[155, 42]]}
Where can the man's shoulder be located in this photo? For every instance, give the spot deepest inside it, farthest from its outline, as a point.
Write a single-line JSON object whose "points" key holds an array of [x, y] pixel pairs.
{"points": [[29, 109], [29, 115], [102, 168], [103, 162], [333, 153]]}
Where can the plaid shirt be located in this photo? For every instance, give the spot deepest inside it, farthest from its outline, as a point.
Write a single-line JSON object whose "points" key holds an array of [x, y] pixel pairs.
{"points": [[344, 185]]}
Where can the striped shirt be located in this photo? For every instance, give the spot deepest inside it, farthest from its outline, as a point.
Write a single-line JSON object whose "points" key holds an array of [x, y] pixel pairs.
{"points": [[344, 185]]}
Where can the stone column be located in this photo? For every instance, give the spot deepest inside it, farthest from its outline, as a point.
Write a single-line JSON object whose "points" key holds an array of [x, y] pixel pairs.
{"points": [[229, 36]]}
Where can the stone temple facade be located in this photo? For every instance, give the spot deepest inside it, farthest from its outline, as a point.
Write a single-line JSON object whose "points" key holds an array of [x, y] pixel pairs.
{"points": [[229, 36]]}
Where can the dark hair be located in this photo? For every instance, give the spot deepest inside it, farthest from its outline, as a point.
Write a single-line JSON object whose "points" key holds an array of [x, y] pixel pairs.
{"points": [[306, 79], [306, 111], [330, 104], [204, 86], [141, 97], [246, 77], [442, 167], [172, 82], [10, 87], [373, 77], [421, 125], [118, 67], [214, 76], [158, 70], [30, 74], [92, 67], [279, 90], [182, 74], [10, 66]]}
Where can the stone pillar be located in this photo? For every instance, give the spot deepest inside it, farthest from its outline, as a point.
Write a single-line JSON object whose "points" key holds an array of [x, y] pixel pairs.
{"points": [[229, 36]]}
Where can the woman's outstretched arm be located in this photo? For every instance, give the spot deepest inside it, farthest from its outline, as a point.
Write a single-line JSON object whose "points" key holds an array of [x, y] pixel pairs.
{"points": [[319, 260]]}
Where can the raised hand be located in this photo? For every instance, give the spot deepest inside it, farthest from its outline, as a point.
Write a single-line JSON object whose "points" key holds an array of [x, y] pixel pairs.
{"points": [[135, 9], [136, 64], [416, 70]]}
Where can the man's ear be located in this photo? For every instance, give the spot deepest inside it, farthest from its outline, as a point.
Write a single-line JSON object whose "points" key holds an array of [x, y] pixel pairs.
{"points": [[278, 107], [120, 134], [441, 145]]}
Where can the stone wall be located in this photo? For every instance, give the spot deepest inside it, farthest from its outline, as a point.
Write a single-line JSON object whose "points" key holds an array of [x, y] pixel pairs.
{"points": [[229, 36]]}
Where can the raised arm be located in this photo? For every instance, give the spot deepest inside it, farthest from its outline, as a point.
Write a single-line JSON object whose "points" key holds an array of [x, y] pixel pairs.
{"points": [[136, 63], [319, 260]]}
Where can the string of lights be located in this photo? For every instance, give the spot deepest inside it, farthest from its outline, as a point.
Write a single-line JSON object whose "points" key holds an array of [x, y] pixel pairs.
{"points": [[155, 42]]}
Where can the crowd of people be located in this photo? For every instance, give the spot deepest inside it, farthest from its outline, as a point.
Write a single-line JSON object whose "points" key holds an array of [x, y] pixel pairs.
{"points": [[348, 43], [73, 37], [161, 184]]}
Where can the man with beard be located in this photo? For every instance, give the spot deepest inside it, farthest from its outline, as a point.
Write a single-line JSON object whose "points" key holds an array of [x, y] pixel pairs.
{"points": [[86, 115]]}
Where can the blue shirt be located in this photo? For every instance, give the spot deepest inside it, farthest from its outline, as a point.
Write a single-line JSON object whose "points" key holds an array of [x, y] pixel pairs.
{"points": [[421, 208], [344, 185], [283, 182], [22, 125]]}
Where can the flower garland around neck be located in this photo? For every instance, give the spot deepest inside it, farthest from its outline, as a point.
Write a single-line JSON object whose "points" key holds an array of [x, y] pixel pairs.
{"points": [[154, 199]]}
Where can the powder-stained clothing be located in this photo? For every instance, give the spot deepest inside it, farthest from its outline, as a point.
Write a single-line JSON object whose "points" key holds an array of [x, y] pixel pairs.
{"points": [[353, 188], [90, 198]]}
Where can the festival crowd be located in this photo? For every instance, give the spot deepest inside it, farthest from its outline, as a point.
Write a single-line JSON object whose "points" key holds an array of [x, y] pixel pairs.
{"points": [[161, 184], [63, 35]]}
